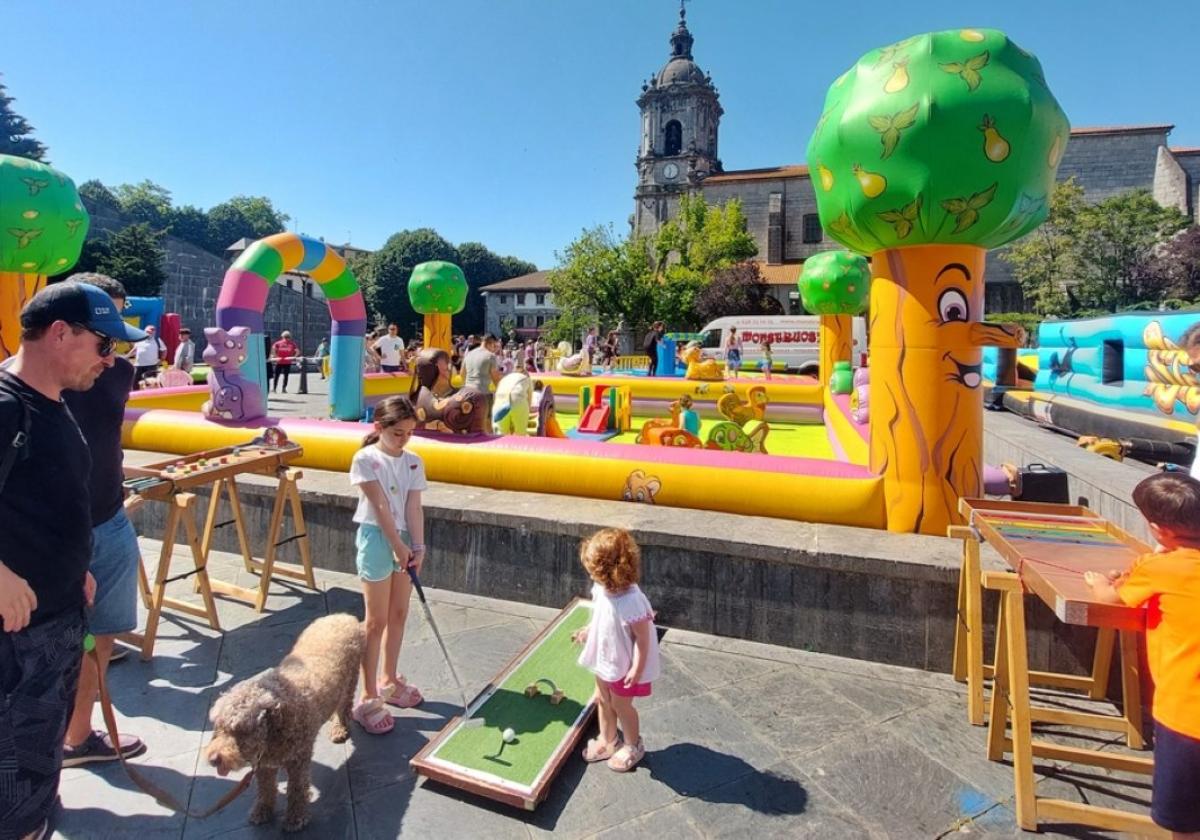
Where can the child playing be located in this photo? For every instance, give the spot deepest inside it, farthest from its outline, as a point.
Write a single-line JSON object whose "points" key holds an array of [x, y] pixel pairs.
{"points": [[1168, 583], [733, 353], [391, 537], [619, 646], [766, 359]]}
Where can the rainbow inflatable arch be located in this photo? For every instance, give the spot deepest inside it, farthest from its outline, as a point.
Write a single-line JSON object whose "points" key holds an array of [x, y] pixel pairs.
{"points": [[243, 299]]}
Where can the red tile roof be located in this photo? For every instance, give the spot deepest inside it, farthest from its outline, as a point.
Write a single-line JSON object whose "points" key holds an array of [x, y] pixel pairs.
{"points": [[1121, 129], [795, 170], [535, 282]]}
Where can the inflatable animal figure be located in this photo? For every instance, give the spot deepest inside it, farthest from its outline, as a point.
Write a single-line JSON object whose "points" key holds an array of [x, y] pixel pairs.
{"points": [[673, 437], [579, 364], [698, 367], [439, 407], [860, 398], [510, 410], [754, 408], [547, 420], [234, 399], [1169, 373], [640, 487], [731, 437], [659, 423]]}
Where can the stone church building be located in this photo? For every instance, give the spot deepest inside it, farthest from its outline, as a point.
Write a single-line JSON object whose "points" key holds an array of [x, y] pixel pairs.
{"points": [[678, 152]]}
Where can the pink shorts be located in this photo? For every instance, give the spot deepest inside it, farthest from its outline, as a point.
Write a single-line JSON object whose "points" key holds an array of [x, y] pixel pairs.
{"points": [[618, 688]]}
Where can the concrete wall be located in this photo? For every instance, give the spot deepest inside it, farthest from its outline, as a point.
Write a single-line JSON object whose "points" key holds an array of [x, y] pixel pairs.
{"points": [[194, 282]]}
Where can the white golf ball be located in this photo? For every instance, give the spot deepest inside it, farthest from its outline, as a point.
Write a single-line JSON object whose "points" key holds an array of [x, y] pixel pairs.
{"points": [[509, 736]]}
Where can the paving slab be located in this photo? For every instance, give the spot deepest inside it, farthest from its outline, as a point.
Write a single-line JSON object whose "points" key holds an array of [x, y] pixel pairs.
{"points": [[743, 739]]}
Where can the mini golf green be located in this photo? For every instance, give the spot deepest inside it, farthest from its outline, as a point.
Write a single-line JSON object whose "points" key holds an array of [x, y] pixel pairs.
{"points": [[540, 726], [799, 440]]}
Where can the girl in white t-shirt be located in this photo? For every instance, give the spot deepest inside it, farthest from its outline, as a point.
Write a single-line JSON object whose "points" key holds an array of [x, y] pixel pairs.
{"points": [[620, 646], [390, 539]]}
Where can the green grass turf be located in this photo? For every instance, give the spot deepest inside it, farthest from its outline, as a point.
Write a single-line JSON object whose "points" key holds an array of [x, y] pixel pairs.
{"points": [[540, 726], [803, 440]]}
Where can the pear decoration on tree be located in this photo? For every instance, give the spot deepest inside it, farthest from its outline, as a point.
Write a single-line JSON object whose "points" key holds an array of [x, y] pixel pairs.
{"points": [[911, 184], [42, 229], [437, 290]]}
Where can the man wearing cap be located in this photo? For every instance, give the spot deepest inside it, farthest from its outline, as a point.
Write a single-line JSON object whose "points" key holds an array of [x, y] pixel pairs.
{"points": [[68, 331], [100, 411]]}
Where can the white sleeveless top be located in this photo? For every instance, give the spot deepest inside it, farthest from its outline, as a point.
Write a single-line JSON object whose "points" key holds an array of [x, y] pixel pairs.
{"points": [[608, 652]]}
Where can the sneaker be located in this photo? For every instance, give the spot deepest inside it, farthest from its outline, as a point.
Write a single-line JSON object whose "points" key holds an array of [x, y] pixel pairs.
{"points": [[98, 747]]}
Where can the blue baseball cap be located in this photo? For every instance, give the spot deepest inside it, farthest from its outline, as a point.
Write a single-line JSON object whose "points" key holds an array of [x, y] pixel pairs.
{"points": [[78, 303]]}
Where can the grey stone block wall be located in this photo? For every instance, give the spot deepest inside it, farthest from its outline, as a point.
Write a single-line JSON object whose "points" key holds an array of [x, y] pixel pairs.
{"points": [[193, 285]]}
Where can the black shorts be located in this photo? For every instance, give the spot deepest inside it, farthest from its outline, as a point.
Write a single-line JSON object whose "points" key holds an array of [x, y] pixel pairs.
{"points": [[390, 368], [39, 671], [1175, 802]]}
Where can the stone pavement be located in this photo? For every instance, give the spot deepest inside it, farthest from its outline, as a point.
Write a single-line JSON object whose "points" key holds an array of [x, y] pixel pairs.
{"points": [[743, 739]]}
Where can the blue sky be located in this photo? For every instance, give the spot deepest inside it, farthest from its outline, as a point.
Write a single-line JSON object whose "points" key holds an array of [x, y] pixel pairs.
{"points": [[508, 122]]}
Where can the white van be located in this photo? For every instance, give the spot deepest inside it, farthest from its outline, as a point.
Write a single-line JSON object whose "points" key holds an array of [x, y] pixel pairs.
{"points": [[794, 340]]}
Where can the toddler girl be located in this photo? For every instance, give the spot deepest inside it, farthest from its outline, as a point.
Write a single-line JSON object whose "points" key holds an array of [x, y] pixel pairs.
{"points": [[767, 359], [620, 645], [391, 537]]}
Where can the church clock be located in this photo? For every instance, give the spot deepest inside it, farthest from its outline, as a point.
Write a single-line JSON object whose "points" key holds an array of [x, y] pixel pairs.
{"points": [[671, 171]]}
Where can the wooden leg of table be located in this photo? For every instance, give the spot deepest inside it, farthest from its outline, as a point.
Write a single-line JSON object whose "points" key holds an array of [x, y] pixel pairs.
{"points": [[239, 524], [1131, 690], [1102, 662], [1016, 649], [143, 584], [974, 599], [1001, 701], [301, 527], [268, 563], [160, 582], [960, 625], [210, 518], [185, 502]]}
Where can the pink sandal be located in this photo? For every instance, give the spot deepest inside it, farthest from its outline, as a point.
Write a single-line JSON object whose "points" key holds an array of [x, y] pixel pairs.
{"points": [[626, 758], [372, 717], [598, 751], [402, 695]]}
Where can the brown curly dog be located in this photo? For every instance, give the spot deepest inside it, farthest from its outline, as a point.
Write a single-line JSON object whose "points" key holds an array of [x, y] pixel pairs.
{"points": [[271, 721]]}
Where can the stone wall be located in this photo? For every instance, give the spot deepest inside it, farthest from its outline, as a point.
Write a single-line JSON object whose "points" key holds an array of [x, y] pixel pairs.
{"points": [[193, 285]]}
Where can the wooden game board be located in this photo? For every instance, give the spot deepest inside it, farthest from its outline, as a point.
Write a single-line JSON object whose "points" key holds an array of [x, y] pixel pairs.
{"points": [[521, 773], [172, 482]]}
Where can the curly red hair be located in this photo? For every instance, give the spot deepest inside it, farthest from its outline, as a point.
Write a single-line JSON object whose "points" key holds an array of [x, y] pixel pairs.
{"points": [[612, 558]]}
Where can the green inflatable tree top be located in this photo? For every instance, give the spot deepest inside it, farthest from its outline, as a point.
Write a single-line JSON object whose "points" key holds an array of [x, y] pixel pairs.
{"points": [[835, 283], [950, 137], [437, 288], [42, 221]]}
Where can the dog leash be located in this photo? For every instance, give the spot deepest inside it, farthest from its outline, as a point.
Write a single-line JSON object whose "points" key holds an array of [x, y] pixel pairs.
{"points": [[160, 796]]}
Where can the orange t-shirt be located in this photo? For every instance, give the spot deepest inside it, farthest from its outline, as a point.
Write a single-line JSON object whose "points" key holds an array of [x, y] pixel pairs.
{"points": [[1169, 585]]}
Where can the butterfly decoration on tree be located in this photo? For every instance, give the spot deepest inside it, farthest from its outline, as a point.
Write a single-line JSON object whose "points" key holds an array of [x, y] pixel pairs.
{"points": [[968, 70]]}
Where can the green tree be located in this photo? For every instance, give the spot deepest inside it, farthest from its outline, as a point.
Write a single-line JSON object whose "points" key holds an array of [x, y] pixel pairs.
{"points": [[16, 132], [146, 202], [601, 278], [1045, 260], [1178, 264], [386, 288], [737, 290], [243, 216], [1118, 237], [482, 267], [190, 224], [133, 255], [96, 193], [703, 238]]}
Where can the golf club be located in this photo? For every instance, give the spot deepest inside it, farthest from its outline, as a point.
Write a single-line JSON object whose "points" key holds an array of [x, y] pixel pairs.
{"points": [[467, 719]]}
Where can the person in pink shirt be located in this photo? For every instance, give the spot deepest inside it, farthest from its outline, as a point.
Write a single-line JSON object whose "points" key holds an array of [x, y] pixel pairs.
{"points": [[283, 353]]}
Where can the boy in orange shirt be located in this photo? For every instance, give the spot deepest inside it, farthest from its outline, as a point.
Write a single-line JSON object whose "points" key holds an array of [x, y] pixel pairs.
{"points": [[1168, 584]]}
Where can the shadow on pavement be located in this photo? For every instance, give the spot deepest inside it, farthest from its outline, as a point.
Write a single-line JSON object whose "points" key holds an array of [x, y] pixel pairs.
{"points": [[701, 773]]}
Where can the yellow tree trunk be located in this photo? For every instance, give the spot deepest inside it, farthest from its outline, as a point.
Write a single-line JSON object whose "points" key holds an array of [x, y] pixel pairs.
{"points": [[836, 333], [437, 332], [926, 403], [16, 288]]}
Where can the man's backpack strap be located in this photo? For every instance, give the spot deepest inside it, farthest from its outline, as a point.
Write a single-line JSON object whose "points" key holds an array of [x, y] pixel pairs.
{"points": [[14, 448]]}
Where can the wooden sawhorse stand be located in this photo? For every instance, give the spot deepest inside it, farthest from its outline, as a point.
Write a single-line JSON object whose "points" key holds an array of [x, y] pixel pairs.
{"points": [[286, 495]]}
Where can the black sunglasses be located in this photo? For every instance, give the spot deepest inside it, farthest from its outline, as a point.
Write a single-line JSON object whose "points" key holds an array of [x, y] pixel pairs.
{"points": [[107, 342]]}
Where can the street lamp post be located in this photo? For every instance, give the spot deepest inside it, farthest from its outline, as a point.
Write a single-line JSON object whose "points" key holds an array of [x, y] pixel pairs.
{"points": [[303, 325]]}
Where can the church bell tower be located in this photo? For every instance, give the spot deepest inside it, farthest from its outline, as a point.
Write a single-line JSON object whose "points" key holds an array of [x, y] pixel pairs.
{"points": [[681, 112]]}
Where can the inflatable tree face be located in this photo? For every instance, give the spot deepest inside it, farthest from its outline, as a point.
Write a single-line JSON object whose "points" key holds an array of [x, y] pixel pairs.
{"points": [[437, 290], [929, 152], [834, 285], [42, 229]]}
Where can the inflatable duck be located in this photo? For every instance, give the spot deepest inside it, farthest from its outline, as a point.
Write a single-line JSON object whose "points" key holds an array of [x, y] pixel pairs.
{"points": [[753, 408], [699, 367], [579, 364]]}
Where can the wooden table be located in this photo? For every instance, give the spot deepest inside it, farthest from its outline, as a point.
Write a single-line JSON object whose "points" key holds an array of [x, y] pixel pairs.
{"points": [[1049, 547], [172, 482]]}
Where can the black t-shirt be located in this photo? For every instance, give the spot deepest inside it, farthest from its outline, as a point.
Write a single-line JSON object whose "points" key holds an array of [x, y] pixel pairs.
{"points": [[45, 525], [651, 341], [100, 411]]}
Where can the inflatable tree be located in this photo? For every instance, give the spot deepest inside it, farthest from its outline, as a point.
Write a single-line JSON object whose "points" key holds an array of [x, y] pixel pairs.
{"points": [[437, 290], [834, 285], [42, 228], [929, 152]]}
